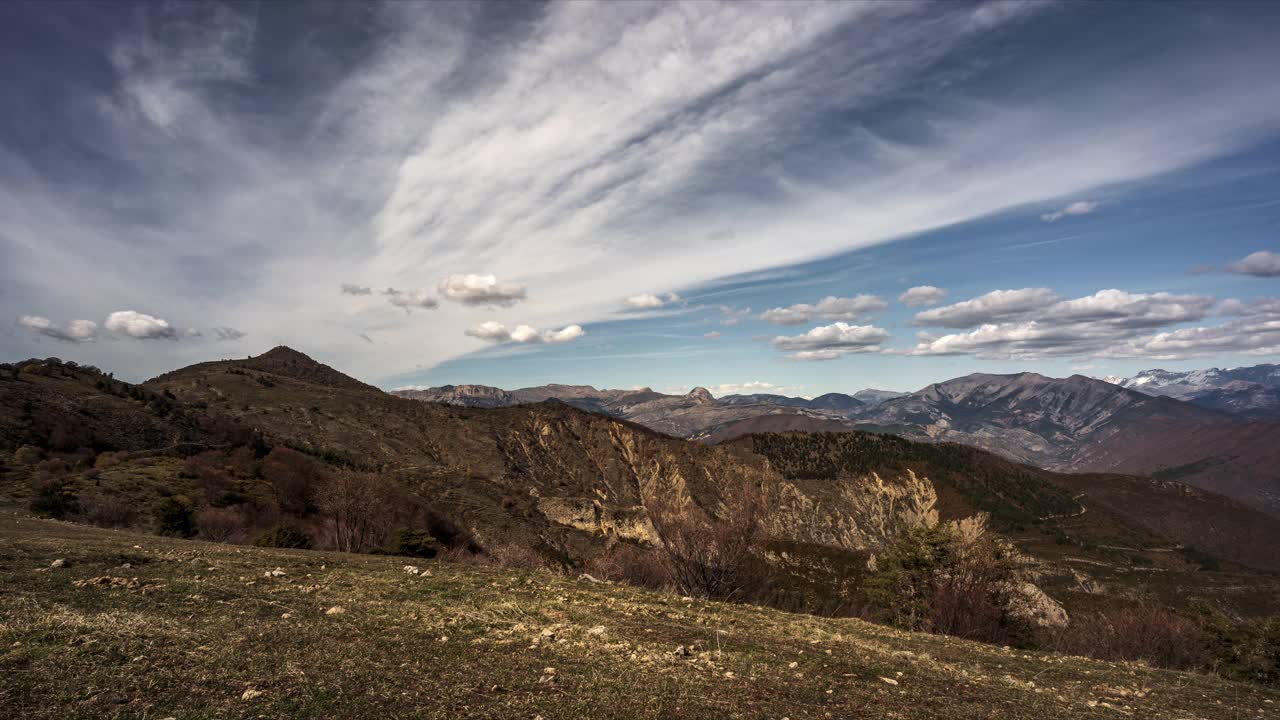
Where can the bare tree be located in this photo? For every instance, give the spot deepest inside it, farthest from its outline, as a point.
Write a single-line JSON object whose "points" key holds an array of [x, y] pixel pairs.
{"points": [[718, 555], [358, 510]]}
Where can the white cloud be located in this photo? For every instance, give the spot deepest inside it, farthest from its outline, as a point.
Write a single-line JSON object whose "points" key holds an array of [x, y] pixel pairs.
{"points": [[993, 306], [1110, 323], [730, 316], [649, 301], [350, 289], [409, 299], [922, 296], [494, 331], [828, 308], [225, 334], [140, 326], [75, 331], [1082, 207], [481, 290], [645, 300], [712, 335], [827, 342], [1263, 263]]}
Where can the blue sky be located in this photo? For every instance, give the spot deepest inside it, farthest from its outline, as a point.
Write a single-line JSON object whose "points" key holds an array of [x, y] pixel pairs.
{"points": [[626, 194]]}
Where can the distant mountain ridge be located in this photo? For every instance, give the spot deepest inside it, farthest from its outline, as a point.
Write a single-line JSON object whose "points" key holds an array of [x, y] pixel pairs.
{"points": [[1252, 392], [1074, 424]]}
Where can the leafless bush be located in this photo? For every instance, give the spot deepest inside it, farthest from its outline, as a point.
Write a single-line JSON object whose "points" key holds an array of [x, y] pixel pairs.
{"points": [[221, 525], [104, 510], [358, 510], [634, 565], [294, 479], [1148, 633], [718, 556]]}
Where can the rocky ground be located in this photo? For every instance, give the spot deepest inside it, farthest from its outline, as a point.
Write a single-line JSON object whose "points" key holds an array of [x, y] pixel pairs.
{"points": [[97, 623]]}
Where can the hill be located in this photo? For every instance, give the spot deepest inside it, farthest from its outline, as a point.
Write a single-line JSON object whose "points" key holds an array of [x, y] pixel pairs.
{"points": [[252, 438], [141, 626]]}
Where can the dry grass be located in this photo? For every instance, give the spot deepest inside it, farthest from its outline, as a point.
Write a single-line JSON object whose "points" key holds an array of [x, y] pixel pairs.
{"points": [[202, 633]]}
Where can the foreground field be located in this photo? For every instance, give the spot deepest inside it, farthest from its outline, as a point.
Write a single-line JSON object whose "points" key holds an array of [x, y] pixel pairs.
{"points": [[139, 626]]}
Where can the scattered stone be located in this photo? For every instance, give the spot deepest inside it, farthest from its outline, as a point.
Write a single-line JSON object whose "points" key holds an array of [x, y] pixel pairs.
{"points": [[597, 631], [59, 563], [794, 665], [682, 651], [250, 694], [274, 573], [286, 616], [888, 680], [335, 610], [412, 570], [548, 675], [589, 578], [548, 635]]}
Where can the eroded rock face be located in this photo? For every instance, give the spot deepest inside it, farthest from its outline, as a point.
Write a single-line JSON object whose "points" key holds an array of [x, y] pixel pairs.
{"points": [[863, 513], [1028, 602], [591, 515]]}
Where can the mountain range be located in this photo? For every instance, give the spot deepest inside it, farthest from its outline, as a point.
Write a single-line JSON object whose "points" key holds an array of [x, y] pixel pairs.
{"points": [[1075, 424], [1252, 392]]}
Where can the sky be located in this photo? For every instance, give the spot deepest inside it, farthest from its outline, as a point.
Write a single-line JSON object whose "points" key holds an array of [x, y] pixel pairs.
{"points": [[751, 197]]}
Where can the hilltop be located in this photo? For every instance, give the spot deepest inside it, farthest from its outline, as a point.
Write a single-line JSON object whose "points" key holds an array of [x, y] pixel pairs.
{"points": [[136, 625]]}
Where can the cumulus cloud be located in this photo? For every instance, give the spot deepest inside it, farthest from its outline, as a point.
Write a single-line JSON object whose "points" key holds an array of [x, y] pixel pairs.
{"points": [[481, 290], [922, 296], [827, 342], [1021, 325], [225, 334], [828, 308], [730, 315], [648, 301], [350, 289], [1263, 263], [712, 335], [140, 326], [409, 299], [76, 331], [993, 306], [1082, 207], [494, 331]]}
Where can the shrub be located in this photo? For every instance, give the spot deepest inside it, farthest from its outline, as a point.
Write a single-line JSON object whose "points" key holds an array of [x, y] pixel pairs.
{"points": [[1148, 633], [106, 510], [716, 556], [295, 479], [955, 579], [175, 515], [220, 524], [625, 562], [284, 536], [413, 543], [1244, 649], [357, 510], [54, 499]]}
